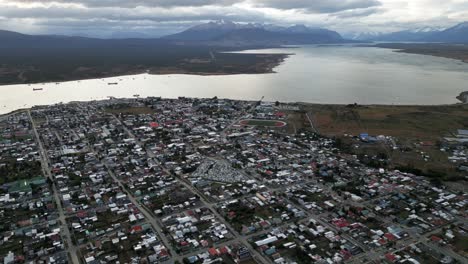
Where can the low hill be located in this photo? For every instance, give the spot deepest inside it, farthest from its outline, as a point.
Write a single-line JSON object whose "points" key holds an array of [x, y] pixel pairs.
{"points": [[41, 58]]}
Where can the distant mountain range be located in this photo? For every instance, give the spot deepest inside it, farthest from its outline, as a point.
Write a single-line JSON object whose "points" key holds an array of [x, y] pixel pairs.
{"points": [[230, 33], [197, 50], [220, 33], [455, 34]]}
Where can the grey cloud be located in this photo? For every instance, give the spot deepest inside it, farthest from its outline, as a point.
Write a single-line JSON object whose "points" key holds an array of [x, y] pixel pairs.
{"points": [[170, 16], [123, 14], [358, 12], [137, 3], [157, 20], [319, 6]]}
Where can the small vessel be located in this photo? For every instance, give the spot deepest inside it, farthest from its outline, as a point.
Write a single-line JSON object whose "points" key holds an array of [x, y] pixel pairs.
{"points": [[136, 95], [38, 89], [112, 83]]}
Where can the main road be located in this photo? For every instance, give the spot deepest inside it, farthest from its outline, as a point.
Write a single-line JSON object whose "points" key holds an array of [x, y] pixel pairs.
{"points": [[64, 231]]}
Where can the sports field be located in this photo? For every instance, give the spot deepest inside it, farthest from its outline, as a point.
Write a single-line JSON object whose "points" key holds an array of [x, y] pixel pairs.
{"points": [[262, 123]]}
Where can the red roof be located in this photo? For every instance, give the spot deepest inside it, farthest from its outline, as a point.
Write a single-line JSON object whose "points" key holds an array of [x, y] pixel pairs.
{"points": [[390, 257], [435, 238], [390, 237], [137, 228], [346, 254], [163, 253], [340, 222], [154, 125], [382, 241], [223, 250], [213, 251], [82, 214]]}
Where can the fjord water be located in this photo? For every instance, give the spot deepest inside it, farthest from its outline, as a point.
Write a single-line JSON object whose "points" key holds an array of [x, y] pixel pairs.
{"points": [[315, 74]]}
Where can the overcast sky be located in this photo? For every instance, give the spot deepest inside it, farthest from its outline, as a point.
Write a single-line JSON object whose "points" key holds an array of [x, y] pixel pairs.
{"points": [[158, 17]]}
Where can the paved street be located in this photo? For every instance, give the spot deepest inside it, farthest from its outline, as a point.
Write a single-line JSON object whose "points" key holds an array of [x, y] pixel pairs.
{"points": [[66, 234]]}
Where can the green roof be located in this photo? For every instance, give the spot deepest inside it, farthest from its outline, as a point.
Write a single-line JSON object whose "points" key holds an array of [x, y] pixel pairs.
{"points": [[20, 186], [25, 185]]}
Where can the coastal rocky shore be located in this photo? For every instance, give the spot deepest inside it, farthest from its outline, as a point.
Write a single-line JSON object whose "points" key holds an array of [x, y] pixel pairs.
{"points": [[463, 97]]}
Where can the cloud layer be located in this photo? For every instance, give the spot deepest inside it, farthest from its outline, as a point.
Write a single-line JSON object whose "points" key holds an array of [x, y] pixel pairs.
{"points": [[158, 17], [320, 6]]}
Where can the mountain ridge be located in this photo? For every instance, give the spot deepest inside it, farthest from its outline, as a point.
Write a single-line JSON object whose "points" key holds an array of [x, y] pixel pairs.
{"points": [[228, 31]]}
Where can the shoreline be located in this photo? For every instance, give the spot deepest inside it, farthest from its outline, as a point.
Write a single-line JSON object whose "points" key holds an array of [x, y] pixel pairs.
{"points": [[265, 65], [458, 52], [246, 100]]}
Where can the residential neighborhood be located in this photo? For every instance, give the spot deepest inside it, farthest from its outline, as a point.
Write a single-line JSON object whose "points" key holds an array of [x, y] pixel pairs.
{"points": [[187, 180]]}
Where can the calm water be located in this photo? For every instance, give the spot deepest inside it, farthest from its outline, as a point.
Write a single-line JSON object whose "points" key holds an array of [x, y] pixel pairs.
{"points": [[333, 74]]}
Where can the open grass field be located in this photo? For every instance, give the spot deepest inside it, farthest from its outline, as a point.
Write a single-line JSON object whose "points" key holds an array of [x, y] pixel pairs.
{"points": [[413, 122], [263, 123], [418, 129]]}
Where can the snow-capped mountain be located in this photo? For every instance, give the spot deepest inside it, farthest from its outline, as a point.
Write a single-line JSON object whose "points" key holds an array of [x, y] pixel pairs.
{"points": [[455, 34], [427, 29], [228, 31], [416, 34], [361, 35], [461, 26], [256, 33]]}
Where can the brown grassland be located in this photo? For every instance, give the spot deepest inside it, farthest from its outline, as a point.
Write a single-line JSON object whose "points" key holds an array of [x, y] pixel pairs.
{"points": [[417, 130]]}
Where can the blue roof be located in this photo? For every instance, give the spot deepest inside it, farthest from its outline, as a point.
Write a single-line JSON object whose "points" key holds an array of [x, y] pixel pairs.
{"points": [[270, 251], [192, 259]]}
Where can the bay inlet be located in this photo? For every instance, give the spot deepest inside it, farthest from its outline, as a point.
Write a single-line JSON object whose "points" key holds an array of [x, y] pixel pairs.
{"points": [[314, 74]]}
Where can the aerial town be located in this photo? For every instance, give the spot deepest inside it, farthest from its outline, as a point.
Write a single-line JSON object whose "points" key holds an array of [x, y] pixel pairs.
{"points": [[151, 180]]}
